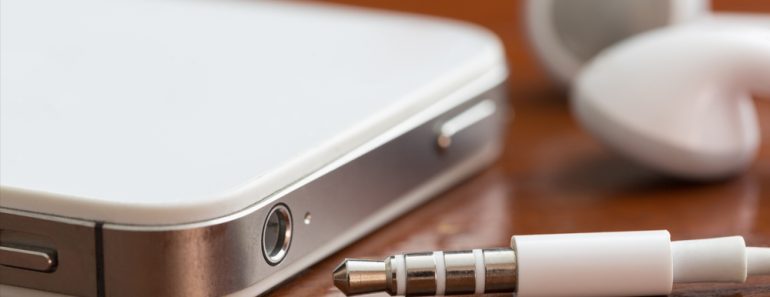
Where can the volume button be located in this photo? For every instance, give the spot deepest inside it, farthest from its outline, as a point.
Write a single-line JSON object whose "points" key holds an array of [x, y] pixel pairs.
{"points": [[27, 258], [464, 120]]}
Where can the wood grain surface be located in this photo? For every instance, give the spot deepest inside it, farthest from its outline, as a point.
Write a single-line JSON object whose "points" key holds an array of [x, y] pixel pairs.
{"points": [[553, 177]]}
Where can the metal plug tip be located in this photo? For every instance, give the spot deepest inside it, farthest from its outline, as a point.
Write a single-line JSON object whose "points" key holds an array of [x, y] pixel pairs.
{"points": [[340, 276], [354, 277]]}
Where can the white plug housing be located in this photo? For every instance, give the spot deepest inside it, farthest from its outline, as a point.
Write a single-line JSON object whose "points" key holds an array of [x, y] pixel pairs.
{"points": [[594, 264], [709, 260], [641, 263]]}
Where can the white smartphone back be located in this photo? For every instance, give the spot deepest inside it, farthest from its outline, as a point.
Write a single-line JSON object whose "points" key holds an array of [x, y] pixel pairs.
{"points": [[164, 112]]}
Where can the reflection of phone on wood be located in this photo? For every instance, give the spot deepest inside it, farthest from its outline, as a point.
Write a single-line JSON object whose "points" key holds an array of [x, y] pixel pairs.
{"points": [[210, 147]]}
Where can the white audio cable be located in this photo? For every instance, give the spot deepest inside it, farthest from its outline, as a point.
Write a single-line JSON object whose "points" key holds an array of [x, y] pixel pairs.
{"points": [[641, 263]]}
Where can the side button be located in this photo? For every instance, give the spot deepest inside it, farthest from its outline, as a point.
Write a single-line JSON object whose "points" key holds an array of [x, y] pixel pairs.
{"points": [[37, 259], [464, 120]]}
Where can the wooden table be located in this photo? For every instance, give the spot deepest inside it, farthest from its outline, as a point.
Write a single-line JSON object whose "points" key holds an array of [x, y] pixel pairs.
{"points": [[553, 177]]}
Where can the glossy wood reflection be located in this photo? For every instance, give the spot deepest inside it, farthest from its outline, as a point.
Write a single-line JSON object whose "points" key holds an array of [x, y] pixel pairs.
{"points": [[553, 177]]}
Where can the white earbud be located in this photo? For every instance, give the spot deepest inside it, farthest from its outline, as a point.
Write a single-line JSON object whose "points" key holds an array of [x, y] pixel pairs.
{"points": [[566, 34], [678, 99]]}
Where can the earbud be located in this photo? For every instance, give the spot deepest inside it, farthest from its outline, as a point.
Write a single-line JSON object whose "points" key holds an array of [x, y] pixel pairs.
{"points": [[566, 34], [678, 99]]}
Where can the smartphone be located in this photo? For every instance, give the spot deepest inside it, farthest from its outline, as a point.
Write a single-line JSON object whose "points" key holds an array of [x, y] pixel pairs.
{"points": [[201, 148]]}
